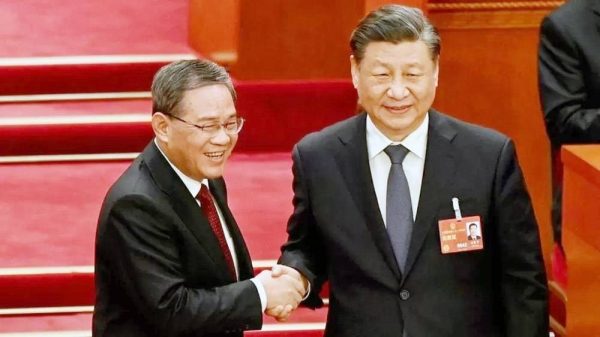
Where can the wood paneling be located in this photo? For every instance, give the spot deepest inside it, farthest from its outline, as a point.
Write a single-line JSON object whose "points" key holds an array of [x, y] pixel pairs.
{"points": [[581, 202], [214, 28], [295, 39], [491, 14], [280, 39], [371, 5]]}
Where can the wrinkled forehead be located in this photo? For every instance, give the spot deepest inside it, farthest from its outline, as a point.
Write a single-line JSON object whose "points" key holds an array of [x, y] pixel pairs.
{"points": [[208, 103], [407, 53]]}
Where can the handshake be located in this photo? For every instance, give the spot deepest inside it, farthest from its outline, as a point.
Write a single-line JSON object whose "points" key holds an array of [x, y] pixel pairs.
{"points": [[285, 288]]}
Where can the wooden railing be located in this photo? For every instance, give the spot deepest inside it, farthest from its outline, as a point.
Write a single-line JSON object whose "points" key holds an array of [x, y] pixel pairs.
{"points": [[581, 237]]}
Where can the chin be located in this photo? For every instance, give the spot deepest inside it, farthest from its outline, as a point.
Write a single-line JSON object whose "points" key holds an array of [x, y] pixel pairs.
{"points": [[214, 173], [401, 126]]}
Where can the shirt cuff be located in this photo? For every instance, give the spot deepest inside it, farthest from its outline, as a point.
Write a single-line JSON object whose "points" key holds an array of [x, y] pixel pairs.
{"points": [[261, 293], [307, 292]]}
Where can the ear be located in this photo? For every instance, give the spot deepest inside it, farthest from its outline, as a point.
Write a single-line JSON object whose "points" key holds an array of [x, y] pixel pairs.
{"points": [[354, 71], [161, 126]]}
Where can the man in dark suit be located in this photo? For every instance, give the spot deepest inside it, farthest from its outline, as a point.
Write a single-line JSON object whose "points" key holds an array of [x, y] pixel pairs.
{"points": [[370, 192], [170, 258], [569, 83]]}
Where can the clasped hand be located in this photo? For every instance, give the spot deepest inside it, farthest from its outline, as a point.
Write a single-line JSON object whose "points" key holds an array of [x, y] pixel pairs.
{"points": [[285, 287]]}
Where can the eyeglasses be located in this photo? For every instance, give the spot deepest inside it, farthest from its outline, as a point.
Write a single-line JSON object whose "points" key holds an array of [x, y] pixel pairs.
{"points": [[232, 127]]}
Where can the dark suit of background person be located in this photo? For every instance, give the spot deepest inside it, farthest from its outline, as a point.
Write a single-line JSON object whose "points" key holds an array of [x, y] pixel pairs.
{"points": [[160, 267], [337, 232], [569, 82]]}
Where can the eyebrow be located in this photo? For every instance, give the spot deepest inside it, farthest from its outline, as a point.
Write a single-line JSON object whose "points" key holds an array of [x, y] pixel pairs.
{"points": [[212, 119], [409, 65]]}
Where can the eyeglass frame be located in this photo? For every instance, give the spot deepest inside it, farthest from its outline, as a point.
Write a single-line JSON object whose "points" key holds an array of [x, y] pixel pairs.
{"points": [[241, 121]]}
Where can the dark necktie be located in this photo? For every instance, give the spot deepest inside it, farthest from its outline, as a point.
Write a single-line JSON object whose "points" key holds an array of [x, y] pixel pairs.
{"points": [[399, 215], [210, 211]]}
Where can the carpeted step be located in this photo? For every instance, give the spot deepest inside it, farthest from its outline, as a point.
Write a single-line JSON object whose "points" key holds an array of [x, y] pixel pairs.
{"points": [[302, 323], [75, 108], [80, 74], [296, 330], [278, 114], [65, 290], [66, 197], [75, 135], [109, 27]]}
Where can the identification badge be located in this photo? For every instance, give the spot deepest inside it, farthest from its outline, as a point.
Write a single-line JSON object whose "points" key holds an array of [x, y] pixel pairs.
{"points": [[461, 235]]}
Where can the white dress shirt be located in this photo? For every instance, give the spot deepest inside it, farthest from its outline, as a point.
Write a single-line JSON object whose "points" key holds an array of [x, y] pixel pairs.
{"points": [[194, 187], [413, 163]]}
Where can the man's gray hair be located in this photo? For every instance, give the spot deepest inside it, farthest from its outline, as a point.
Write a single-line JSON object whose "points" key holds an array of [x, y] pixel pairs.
{"points": [[395, 24], [174, 79]]}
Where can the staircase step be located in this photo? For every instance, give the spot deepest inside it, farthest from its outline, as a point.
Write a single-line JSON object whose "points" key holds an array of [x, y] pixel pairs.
{"points": [[64, 109], [80, 135], [80, 74], [302, 323], [278, 115], [59, 290], [70, 194]]}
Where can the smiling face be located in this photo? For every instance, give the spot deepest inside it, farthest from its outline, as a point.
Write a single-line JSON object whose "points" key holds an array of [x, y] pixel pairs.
{"points": [[396, 85], [186, 146]]}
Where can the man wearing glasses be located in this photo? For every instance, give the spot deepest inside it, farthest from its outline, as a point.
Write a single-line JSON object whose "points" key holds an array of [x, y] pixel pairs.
{"points": [[170, 258]]}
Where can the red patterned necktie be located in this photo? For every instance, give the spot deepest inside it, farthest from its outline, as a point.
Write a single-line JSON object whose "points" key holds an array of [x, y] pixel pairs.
{"points": [[210, 210]]}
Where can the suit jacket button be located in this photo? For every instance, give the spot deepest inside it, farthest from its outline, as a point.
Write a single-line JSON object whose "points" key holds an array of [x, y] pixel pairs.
{"points": [[404, 295]]}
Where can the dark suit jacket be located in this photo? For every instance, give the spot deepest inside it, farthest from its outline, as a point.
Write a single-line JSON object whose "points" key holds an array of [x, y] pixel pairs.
{"points": [[159, 267], [569, 81], [476, 238], [336, 233]]}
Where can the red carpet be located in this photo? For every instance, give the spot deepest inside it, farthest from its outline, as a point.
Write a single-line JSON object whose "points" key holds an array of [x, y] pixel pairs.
{"points": [[84, 321], [559, 267], [108, 27], [277, 116], [50, 210], [58, 205], [75, 108], [42, 28], [81, 75], [305, 102]]}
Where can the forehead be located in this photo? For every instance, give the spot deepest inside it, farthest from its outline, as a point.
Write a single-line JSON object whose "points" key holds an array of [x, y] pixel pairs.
{"points": [[208, 102], [397, 54]]}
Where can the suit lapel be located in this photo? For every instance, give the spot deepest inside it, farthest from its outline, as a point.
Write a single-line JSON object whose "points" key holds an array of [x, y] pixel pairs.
{"points": [[440, 167], [353, 162], [185, 206], [245, 269]]}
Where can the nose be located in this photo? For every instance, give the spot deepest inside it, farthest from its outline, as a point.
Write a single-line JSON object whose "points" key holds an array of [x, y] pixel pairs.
{"points": [[398, 89], [221, 138]]}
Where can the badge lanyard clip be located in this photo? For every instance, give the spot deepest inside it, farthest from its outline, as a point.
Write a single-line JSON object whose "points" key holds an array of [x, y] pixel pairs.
{"points": [[456, 207]]}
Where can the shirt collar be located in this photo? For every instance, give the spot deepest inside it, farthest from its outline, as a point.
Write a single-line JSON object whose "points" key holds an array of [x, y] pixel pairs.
{"points": [[192, 185], [416, 142]]}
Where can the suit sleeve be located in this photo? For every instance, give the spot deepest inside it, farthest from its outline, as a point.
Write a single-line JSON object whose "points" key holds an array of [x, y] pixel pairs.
{"points": [[303, 249], [562, 89], [143, 250], [523, 283]]}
